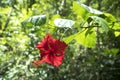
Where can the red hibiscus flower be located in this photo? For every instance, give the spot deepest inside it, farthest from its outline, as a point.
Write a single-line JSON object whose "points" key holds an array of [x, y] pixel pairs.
{"points": [[52, 51]]}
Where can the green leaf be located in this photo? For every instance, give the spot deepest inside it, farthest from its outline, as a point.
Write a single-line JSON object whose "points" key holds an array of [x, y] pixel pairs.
{"points": [[84, 11], [69, 39], [109, 17], [91, 10], [79, 10], [64, 23], [86, 38], [35, 20], [104, 24], [116, 28], [112, 51]]}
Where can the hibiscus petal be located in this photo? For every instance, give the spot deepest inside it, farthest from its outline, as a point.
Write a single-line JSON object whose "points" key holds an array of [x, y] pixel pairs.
{"points": [[57, 60], [44, 43], [60, 46], [54, 60]]}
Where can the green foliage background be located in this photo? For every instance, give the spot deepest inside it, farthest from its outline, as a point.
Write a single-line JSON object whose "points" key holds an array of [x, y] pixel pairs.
{"points": [[91, 28]]}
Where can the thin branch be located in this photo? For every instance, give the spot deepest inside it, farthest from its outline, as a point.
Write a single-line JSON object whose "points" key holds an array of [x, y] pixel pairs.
{"points": [[97, 37], [57, 7], [8, 19], [89, 26]]}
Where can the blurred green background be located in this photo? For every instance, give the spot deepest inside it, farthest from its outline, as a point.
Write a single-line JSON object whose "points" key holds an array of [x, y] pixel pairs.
{"points": [[91, 28]]}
